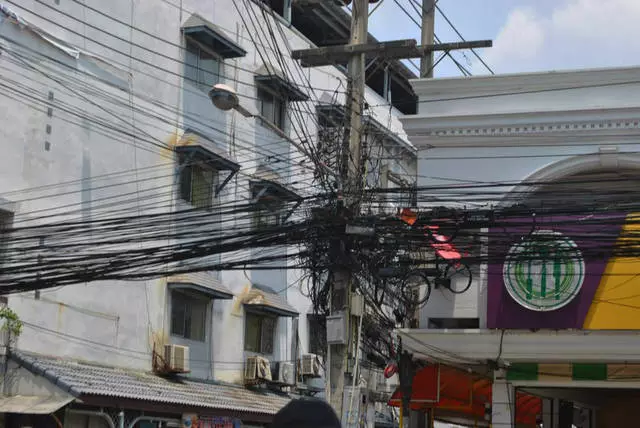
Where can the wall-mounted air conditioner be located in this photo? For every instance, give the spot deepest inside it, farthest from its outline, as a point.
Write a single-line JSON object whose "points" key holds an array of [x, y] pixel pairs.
{"points": [[176, 358], [284, 373], [257, 369], [310, 365]]}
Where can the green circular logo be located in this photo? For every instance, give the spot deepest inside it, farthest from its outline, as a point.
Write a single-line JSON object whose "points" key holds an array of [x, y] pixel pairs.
{"points": [[544, 272]]}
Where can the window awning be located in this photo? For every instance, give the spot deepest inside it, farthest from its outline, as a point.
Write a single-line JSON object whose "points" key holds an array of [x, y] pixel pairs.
{"points": [[331, 114], [203, 148], [200, 283], [266, 181], [265, 300], [452, 390], [276, 81], [274, 189], [211, 35], [33, 405]]}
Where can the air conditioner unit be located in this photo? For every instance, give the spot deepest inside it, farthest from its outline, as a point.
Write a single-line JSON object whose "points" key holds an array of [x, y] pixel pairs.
{"points": [[310, 365], [285, 374], [176, 358], [257, 369]]}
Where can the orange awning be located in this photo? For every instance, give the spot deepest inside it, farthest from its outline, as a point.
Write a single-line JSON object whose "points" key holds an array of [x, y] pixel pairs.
{"points": [[443, 387]]}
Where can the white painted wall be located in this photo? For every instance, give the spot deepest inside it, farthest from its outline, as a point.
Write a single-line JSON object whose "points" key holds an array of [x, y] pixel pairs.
{"points": [[118, 322]]}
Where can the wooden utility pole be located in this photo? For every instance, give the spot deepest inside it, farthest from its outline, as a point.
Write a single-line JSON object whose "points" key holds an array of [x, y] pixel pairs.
{"points": [[350, 165], [428, 36], [351, 160]]}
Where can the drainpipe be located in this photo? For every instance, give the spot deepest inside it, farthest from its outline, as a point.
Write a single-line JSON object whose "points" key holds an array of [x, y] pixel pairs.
{"points": [[121, 419], [152, 419]]}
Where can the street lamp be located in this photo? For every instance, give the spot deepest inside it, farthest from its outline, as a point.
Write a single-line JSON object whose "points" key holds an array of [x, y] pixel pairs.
{"points": [[226, 98]]}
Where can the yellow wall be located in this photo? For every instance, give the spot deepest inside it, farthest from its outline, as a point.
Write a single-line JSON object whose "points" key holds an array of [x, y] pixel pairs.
{"points": [[616, 305]]}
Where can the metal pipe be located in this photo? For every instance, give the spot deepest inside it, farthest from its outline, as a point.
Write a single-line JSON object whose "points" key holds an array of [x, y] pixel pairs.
{"points": [[58, 422], [121, 419], [152, 419], [99, 414]]}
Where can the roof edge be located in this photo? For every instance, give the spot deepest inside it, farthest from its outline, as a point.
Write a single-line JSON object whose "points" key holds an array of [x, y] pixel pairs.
{"points": [[33, 368]]}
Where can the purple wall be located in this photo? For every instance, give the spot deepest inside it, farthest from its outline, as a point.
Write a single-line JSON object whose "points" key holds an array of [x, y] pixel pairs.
{"points": [[595, 241]]}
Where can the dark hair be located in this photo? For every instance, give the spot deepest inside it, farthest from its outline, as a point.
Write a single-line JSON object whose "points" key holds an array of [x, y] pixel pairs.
{"points": [[306, 413]]}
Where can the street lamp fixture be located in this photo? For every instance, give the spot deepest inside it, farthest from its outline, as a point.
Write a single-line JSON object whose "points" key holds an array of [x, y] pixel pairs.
{"points": [[226, 98]]}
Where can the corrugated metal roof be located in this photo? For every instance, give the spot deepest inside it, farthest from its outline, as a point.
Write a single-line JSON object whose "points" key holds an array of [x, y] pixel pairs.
{"points": [[83, 378], [260, 297], [206, 283]]}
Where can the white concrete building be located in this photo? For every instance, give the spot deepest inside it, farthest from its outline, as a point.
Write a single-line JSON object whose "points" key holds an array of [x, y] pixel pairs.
{"points": [[542, 140], [106, 112]]}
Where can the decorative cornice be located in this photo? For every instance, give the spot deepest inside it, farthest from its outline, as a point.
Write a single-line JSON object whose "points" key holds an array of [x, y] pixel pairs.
{"points": [[519, 345], [434, 89], [522, 129]]}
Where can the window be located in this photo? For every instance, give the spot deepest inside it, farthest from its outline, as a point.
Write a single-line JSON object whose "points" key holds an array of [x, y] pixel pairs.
{"points": [[276, 5], [272, 107], [202, 67], [268, 210], [198, 182], [259, 332], [317, 327], [331, 128], [188, 316]]}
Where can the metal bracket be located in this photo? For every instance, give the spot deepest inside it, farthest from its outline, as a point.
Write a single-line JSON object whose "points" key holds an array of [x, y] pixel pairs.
{"points": [[290, 212], [260, 194], [220, 186]]}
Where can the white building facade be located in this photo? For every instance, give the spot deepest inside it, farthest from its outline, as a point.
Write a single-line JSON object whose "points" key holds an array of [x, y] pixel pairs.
{"points": [[106, 113], [541, 141]]}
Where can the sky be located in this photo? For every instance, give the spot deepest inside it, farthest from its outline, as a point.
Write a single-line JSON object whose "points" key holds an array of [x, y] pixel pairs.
{"points": [[528, 35]]}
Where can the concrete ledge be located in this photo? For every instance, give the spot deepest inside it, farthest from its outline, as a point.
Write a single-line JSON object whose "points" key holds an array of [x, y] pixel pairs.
{"points": [[476, 346]]}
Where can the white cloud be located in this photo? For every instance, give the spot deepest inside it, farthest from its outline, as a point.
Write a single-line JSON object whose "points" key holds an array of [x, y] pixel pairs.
{"points": [[573, 34], [523, 28], [592, 20]]}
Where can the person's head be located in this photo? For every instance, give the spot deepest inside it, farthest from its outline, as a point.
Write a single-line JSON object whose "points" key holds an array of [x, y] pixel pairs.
{"points": [[306, 413]]}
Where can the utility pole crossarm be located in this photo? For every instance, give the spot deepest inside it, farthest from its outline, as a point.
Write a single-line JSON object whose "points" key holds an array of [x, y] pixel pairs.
{"points": [[397, 49]]}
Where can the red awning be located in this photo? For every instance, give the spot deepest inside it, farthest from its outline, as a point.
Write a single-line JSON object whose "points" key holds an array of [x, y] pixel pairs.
{"points": [[443, 387]]}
